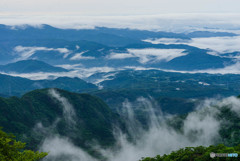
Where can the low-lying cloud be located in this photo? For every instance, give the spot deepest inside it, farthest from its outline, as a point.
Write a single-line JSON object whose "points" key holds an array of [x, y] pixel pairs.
{"points": [[160, 22], [27, 52], [78, 56], [120, 56], [150, 54], [68, 110], [61, 149], [231, 69], [220, 45], [83, 73], [167, 41], [201, 127], [78, 71]]}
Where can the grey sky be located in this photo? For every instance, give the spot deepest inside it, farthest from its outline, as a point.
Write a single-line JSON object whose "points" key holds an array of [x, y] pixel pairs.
{"points": [[118, 7], [167, 15]]}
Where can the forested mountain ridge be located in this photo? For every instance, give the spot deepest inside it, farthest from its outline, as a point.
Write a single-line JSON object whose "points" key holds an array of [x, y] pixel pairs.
{"points": [[17, 86], [81, 117], [84, 119]]}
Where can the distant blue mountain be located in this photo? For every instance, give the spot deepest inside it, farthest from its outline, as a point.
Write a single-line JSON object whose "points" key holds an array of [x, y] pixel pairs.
{"points": [[209, 34], [93, 47], [30, 66], [195, 59], [16, 86]]}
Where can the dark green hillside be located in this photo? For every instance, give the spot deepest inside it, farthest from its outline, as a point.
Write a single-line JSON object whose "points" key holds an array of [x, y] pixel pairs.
{"points": [[229, 133], [10, 149], [176, 105], [197, 154], [93, 118], [229, 119], [175, 84], [176, 88]]}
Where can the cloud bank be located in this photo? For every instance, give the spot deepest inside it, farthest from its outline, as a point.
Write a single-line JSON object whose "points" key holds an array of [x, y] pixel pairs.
{"points": [[220, 45], [61, 148], [78, 71], [199, 128], [78, 56], [149, 54], [181, 22], [26, 52], [83, 73]]}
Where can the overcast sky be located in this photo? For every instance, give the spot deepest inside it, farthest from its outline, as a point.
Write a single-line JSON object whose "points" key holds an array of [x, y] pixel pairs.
{"points": [[118, 7], [168, 15]]}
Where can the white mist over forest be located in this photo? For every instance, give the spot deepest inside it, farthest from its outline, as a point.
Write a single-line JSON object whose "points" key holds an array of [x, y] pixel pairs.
{"points": [[200, 127]]}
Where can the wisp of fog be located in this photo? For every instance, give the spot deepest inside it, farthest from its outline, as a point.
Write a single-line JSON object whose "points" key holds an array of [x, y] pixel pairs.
{"points": [[68, 110], [155, 136]]}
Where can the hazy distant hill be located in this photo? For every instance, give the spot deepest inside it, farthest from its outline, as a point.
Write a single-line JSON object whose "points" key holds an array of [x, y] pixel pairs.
{"points": [[16, 86], [209, 34], [117, 86], [100, 47], [30, 66]]}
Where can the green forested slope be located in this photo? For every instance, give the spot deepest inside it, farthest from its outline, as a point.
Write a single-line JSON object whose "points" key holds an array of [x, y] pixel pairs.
{"points": [[228, 140], [197, 154], [93, 118], [12, 150]]}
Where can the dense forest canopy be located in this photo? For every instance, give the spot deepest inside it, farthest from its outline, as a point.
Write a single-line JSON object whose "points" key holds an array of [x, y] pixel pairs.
{"points": [[12, 150]]}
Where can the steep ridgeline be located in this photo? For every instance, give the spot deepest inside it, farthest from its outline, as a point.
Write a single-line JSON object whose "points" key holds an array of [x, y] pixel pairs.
{"points": [[16, 86], [44, 113]]}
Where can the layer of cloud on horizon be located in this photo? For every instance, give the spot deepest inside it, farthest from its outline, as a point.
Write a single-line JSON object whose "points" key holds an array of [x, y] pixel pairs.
{"points": [[185, 22], [217, 44], [83, 73]]}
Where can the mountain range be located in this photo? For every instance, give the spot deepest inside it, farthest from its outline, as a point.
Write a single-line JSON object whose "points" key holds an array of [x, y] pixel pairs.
{"points": [[106, 92], [48, 116], [101, 47], [17, 86]]}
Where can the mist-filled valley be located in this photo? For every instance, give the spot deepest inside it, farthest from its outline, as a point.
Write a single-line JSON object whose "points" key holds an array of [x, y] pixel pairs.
{"points": [[155, 133], [74, 126], [125, 93]]}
